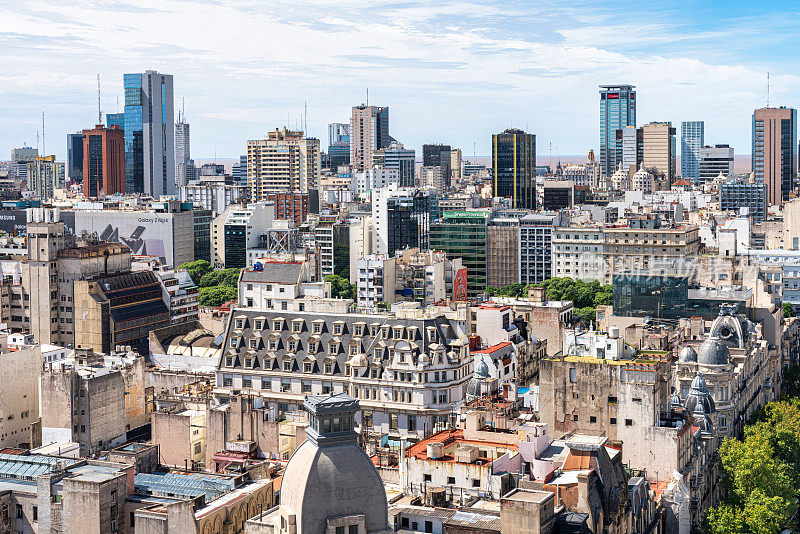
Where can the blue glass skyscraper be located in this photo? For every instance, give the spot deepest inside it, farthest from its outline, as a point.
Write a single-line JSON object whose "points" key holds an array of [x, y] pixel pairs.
{"points": [[692, 140], [617, 110], [149, 134]]}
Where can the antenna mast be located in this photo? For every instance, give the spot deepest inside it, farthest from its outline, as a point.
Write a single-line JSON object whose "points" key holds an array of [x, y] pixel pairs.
{"points": [[44, 150], [367, 96], [767, 88], [305, 119], [99, 113]]}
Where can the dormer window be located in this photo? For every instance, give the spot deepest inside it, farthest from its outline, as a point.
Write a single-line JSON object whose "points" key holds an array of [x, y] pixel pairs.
{"points": [[317, 327], [353, 350], [297, 326], [307, 367], [337, 329], [378, 354], [398, 332], [254, 344], [402, 357], [385, 332], [276, 325], [332, 348], [373, 330], [328, 369], [273, 344], [234, 342], [248, 363], [239, 324], [312, 347], [358, 330], [259, 324], [287, 365], [229, 361], [292, 346]]}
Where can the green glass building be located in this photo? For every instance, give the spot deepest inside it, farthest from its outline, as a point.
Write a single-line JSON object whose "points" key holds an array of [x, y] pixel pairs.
{"points": [[462, 234]]}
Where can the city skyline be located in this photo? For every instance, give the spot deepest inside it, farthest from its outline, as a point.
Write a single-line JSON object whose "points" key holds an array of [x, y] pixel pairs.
{"points": [[451, 73]]}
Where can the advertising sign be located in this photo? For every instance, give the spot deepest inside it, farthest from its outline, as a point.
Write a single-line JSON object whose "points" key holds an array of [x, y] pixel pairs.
{"points": [[460, 284]]}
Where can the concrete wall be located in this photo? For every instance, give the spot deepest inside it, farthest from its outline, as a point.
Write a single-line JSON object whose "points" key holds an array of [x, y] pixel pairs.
{"points": [[240, 421], [19, 409], [91, 506], [172, 433]]}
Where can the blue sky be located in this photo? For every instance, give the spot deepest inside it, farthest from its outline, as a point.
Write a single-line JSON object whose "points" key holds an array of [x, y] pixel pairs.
{"points": [[450, 71]]}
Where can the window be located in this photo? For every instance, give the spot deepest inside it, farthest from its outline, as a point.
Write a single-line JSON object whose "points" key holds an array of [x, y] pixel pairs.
{"points": [[259, 324], [276, 325], [197, 447], [353, 529], [426, 478], [273, 344], [307, 367], [35, 512], [451, 480], [592, 419], [612, 400], [287, 365], [266, 384], [339, 530], [628, 422], [337, 329], [19, 511], [393, 421], [292, 346], [572, 375], [234, 342], [239, 324], [306, 386], [328, 369], [412, 422], [253, 344], [229, 361], [247, 382], [317, 328], [613, 421], [476, 483], [297, 326], [574, 417]]}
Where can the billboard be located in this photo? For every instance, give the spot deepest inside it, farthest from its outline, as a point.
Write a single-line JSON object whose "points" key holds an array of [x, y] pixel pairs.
{"points": [[460, 284], [167, 236], [13, 222]]}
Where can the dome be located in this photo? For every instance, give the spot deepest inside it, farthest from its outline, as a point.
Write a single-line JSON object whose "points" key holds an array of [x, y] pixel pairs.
{"points": [[483, 370], [687, 355], [699, 395], [473, 389], [328, 469], [713, 352]]}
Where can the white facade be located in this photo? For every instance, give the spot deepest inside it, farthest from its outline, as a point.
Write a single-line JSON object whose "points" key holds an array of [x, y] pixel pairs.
{"points": [[213, 196], [158, 130], [375, 178], [536, 247], [578, 253]]}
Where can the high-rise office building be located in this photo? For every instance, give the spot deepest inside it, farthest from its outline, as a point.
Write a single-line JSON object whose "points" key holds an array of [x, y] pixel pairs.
{"points": [[183, 160], [103, 161], [285, 161], [456, 165], [149, 134], [396, 156], [659, 148], [24, 154], [438, 156], [369, 130], [239, 171], [714, 161], [115, 119], [692, 140], [401, 217], [45, 175], [630, 148], [338, 145], [617, 110], [775, 151], [75, 157], [514, 168]]}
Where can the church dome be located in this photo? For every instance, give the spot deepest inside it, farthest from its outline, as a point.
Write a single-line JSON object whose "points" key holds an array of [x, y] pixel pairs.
{"points": [[713, 352], [687, 355], [699, 395]]}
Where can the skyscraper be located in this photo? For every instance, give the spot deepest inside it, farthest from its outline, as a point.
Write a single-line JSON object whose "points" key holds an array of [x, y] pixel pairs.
{"points": [[338, 144], [369, 129], [149, 134], [103, 161], [774, 151], [714, 161], [438, 156], [514, 168], [396, 156], [285, 161], [45, 175], [617, 110], [659, 148], [692, 140], [75, 157], [630, 145], [182, 152]]}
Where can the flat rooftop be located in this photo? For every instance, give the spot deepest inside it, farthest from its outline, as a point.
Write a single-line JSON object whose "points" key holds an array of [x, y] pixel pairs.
{"points": [[525, 495]]}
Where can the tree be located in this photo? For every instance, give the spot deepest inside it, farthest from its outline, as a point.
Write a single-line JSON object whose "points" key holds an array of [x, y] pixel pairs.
{"points": [[227, 277], [341, 288], [788, 310], [217, 296], [490, 291], [196, 269]]}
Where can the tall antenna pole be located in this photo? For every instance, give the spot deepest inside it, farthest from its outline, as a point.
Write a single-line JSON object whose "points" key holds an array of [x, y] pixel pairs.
{"points": [[305, 119], [367, 96], [767, 88], [99, 113], [44, 150], [183, 109]]}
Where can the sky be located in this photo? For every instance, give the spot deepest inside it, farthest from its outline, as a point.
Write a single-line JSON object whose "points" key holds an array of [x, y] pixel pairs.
{"points": [[450, 71]]}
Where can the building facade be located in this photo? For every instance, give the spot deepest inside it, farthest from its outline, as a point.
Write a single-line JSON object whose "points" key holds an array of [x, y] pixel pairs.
{"points": [[103, 162], [775, 151], [514, 168], [617, 110], [692, 140], [285, 161], [369, 130]]}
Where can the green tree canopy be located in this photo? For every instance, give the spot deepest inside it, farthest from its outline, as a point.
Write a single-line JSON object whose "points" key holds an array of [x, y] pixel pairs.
{"points": [[341, 288], [197, 269], [217, 296], [226, 277], [788, 310]]}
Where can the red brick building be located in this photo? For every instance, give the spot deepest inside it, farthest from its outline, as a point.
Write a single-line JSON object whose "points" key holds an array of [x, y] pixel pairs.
{"points": [[103, 161], [290, 206]]}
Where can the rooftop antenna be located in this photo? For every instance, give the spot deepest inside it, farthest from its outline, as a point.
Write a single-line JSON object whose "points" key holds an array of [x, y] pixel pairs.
{"points": [[117, 103], [305, 119], [183, 109], [44, 150], [474, 149], [37, 140], [99, 113], [767, 88], [367, 96]]}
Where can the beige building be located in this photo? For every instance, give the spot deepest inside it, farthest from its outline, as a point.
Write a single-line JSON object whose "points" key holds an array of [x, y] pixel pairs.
{"points": [[578, 252], [775, 151], [659, 148], [19, 398], [285, 161], [369, 130]]}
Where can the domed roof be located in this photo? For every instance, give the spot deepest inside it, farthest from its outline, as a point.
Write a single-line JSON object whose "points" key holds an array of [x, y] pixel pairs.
{"points": [[713, 352], [483, 370], [687, 355], [699, 394], [642, 173], [329, 468]]}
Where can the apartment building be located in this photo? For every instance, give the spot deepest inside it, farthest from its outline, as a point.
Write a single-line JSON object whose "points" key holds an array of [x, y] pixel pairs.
{"points": [[405, 369], [285, 161], [578, 252]]}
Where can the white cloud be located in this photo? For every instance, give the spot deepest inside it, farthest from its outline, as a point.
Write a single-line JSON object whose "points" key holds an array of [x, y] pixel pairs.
{"points": [[450, 71]]}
